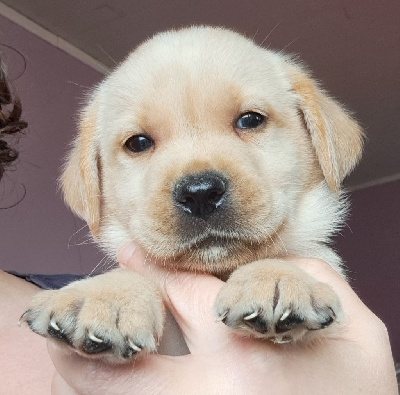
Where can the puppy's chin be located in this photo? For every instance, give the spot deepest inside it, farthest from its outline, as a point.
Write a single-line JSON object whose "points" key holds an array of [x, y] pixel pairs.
{"points": [[218, 257]]}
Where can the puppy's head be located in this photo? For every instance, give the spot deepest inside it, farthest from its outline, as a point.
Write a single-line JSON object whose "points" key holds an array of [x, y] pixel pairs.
{"points": [[200, 147]]}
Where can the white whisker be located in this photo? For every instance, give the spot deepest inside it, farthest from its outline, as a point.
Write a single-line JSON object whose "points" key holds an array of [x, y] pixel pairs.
{"points": [[271, 31]]}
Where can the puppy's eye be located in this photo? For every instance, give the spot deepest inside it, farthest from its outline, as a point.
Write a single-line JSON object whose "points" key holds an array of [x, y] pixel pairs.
{"points": [[250, 120], [139, 143]]}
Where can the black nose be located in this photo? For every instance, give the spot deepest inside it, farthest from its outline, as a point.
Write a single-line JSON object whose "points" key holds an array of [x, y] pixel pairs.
{"points": [[200, 194]]}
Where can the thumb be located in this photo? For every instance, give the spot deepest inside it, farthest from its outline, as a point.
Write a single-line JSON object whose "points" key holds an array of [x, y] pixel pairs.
{"points": [[189, 296]]}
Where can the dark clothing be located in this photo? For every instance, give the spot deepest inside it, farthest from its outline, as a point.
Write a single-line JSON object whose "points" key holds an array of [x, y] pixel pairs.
{"points": [[49, 281]]}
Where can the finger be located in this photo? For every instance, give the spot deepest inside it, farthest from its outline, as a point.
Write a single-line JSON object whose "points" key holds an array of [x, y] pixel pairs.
{"points": [[189, 296], [72, 371], [78, 375], [60, 387]]}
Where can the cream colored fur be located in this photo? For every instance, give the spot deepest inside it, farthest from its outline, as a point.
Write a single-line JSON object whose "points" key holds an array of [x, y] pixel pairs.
{"points": [[186, 89]]}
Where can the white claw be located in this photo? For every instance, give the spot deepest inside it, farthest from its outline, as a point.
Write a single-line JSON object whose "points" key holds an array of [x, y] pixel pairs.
{"points": [[282, 341], [285, 315], [54, 325], [22, 318], [95, 338], [134, 347], [251, 316], [222, 317]]}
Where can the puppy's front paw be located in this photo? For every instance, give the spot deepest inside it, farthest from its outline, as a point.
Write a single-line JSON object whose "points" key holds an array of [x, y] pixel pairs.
{"points": [[275, 300], [114, 316]]}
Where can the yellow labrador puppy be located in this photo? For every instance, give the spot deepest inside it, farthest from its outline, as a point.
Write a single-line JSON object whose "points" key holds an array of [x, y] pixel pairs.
{"points": [[215, 155]]}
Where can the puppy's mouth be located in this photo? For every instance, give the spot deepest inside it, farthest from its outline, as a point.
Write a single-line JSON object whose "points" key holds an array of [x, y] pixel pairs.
{"points": [[216, 253], [211, 241], [211, 238]]}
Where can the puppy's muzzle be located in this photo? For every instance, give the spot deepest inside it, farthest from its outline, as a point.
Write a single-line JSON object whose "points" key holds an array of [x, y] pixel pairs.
{"points": [[201, 195]]}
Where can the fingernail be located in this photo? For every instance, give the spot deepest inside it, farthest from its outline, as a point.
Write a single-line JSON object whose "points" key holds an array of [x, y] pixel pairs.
{"points": [[126, 253]]}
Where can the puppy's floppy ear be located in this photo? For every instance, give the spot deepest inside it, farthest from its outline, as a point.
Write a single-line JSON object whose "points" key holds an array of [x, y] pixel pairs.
{"points": [[336, 136], [80, 181]]}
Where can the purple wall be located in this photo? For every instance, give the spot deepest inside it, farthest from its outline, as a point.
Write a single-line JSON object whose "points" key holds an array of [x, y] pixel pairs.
{"points": [[371, 247], [34, 235]]}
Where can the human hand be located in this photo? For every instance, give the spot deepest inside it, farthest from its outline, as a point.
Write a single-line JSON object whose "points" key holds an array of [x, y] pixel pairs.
{"points": [[357, 359]]}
